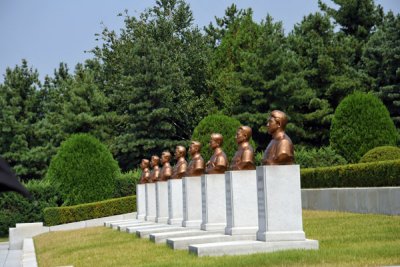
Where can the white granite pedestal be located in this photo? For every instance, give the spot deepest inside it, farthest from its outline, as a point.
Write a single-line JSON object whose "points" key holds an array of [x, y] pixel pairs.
{"points": [[279, 203], [175, 210], [279, 217], [241, 202], [191, 187], [213, 202], [162, 202], [141, 201], [150, 202]]}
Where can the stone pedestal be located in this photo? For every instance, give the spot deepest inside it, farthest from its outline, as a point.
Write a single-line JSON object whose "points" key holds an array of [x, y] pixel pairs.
{"points": [[141, 201], [161, 202], [175, 209], [150, 202], [191, 187], [213, 202], [279, 203], [241, 202]]}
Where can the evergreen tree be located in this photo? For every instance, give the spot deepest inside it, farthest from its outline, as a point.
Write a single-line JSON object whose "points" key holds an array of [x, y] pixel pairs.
{"points": [[381, 60], [154, 75], [19, 110]]}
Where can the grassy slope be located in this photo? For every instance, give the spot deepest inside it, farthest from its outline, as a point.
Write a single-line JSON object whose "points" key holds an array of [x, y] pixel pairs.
{"points": [[346, 239]]}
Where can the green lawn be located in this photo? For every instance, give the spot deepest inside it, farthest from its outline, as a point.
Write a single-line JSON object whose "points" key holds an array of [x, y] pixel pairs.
{"points": [[3, 239], [346, 239]]}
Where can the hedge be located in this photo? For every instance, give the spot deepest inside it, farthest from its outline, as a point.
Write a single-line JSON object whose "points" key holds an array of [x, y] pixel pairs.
{"points": [[115, 206], [374, 174]]}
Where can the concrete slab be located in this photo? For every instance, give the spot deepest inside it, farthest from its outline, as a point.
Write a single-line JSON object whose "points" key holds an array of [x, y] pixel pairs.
{"points": [[145, 233], [68, 226], [175, 202], [114, 220], [162, 237], [141, 201], [162, 202], [24, 230], [184, 242], [123, 228], [115, 225], [213, 202], [133, 229], [249, 247]]}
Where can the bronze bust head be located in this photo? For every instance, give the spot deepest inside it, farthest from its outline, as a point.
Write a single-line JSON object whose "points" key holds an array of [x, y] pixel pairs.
{"points": [[180, 167], [145, 177], [280, 150], [155, 172], [166, 170], [196, 164], [218, 162], [244, 156]]}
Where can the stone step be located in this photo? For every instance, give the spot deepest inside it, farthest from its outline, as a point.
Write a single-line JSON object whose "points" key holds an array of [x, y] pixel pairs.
{"points": [[123, 227], [133, 229], [184, 242], [146, 232], [108, 223], [249, 247], [162, 237]]}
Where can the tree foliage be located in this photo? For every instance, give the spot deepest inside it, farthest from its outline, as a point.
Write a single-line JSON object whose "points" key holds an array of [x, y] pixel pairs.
{"points": [[154, 74], [361, 122], [83, 170]]}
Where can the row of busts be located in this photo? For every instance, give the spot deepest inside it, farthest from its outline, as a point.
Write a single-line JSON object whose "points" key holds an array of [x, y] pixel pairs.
{"points": [[278, 152]]}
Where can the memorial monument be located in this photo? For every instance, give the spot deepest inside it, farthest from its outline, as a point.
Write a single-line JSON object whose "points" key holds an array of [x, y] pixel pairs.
{"points": [[155, 172], [166, 170], [280, 150], [244, 156], [218, 162], [145, 177], [180, 167], [196, 164]]}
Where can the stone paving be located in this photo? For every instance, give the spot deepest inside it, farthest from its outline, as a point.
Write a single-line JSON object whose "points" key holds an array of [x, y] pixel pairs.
{"points": [[9, 258]]}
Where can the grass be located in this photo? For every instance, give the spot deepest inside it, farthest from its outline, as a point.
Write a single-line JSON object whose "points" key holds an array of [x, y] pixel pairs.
{"points": [[346, 239], [4, 239]]}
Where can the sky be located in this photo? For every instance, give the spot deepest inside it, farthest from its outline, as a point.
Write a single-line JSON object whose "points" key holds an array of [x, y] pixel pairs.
{"points": [[47, 32]]}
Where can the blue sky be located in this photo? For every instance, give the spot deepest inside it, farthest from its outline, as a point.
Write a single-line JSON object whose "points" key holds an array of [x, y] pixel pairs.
{"points": [[47, 32]]}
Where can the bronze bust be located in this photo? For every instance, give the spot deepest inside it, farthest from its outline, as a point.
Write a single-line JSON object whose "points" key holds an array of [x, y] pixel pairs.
{"points": [[155, 172], [280, 150], [145, 177], [244, 156], [196, 165], [218, 162], [180, 167], [166, 170]]}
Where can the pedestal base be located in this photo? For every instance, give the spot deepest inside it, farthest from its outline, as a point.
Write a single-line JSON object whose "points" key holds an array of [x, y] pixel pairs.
{"points": [[150, 202], [161, 202], [279, 203], [191, 187], [241, 202], [249, 247], [175, 209], [213, 202], [141, 201]]}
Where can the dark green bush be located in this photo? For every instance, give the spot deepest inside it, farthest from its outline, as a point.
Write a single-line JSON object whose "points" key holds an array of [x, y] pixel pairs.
{"points": [[83, 170], [381, 153], [322, 157], [126, 183], [383, 173], [16, 209], [360, 123], [217, 123], [61, 215]]}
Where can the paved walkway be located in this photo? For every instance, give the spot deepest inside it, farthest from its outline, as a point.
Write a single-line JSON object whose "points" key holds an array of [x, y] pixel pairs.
{"points": [[9, 258]]}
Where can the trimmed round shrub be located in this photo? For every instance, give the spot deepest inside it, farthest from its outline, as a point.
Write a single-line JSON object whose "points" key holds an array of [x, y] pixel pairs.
{"points": [[381, 153], [321, 157], [222, 124], [83, 170], [360, 123]]}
